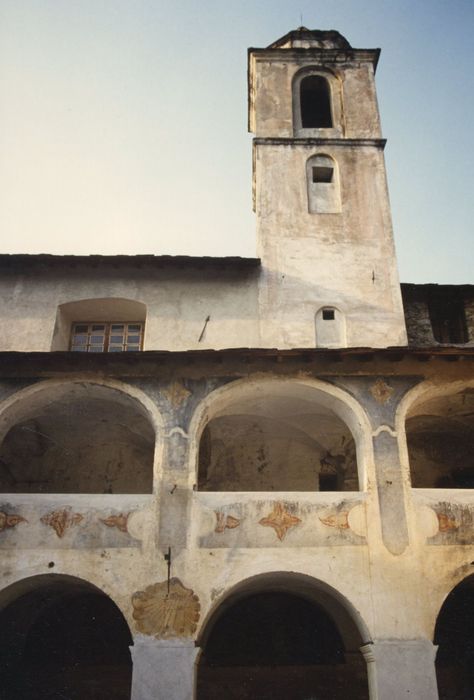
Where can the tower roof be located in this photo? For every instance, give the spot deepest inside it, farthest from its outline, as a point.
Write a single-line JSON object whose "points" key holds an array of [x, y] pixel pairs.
{"points": [[303, 38]]}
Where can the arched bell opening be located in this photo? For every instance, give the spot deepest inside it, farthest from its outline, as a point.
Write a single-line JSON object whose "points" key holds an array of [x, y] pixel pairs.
{"points": [[454, 636], [315, 102], [62, 638], [278, 638]]}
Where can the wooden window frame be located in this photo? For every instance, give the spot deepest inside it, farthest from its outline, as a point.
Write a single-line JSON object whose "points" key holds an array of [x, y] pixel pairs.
{"points": [[107, 333]]}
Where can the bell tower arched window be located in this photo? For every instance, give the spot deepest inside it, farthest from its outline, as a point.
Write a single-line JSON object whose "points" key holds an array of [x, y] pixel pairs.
{"points": [[315, 103]]}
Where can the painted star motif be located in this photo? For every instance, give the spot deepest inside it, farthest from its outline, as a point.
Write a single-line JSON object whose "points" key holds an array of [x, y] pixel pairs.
{"points": [[176, 394], [280, 520], [62, 520], [337, 520], [10, 520], [381, 391]]}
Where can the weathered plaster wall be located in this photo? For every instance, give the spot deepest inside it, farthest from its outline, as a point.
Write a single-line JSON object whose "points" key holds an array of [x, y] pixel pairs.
{"points": [[344, 260], [354, 106], [177, 302], [374, 547]]}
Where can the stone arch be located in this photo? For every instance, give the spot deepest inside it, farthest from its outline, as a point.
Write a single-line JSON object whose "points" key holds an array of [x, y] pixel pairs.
{"points": [[49, 430], [325, 85], [454, 636], [64, 635], [278, 420], [316, 628], [436, 428]]}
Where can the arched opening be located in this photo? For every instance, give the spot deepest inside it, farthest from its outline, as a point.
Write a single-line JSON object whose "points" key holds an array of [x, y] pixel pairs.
{"points": [[279, 436], [454, 635], [315, 103], [62, 638], [279, 639], [330, 328], [440, 438], [77, 437], [322, 177], [100, 325]]}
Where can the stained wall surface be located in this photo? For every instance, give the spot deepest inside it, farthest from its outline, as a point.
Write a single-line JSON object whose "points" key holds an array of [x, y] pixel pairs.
{"points": [[366, 549]]}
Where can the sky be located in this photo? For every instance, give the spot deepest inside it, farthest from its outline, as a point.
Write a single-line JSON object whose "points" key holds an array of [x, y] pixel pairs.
{"points": [[123, 124]]}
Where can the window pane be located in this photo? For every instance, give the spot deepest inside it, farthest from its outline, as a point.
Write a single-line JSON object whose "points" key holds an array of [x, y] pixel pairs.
{"points": [[106, 337]]}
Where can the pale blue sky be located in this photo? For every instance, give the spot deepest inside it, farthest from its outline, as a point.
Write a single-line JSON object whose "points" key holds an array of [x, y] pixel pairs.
{"points": [[123, 125]]}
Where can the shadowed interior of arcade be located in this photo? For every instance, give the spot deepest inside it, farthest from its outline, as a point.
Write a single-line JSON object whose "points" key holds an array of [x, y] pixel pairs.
{"points": [[454, 636], [281, 436], [440, 436], [62, 638], [276, 645], [78, 438]]}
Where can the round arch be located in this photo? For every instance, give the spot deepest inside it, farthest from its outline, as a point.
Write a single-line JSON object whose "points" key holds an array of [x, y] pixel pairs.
{"points": [[333, 97], [436, 434], [100, 310], [324, 197], [63, 636], [258, 393], [45, 421], [454, 637], [283, 627]]}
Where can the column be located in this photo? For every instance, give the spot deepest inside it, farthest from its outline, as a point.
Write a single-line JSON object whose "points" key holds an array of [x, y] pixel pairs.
{"points": [[163, 669]]}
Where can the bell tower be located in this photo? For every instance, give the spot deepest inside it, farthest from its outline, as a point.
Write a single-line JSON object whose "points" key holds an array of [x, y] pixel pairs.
{"points": [[324, 226]]}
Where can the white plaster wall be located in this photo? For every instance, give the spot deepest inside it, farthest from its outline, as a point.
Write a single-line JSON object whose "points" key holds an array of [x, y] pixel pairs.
{"points": [[345, 260], [177, 306]]}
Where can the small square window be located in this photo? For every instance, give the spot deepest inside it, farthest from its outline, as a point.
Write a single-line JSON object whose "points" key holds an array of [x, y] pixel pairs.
{"points": [[322, 173], [328, 315]]}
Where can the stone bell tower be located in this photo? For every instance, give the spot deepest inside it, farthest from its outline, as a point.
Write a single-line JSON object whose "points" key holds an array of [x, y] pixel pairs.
{"points": [[320, 195]]}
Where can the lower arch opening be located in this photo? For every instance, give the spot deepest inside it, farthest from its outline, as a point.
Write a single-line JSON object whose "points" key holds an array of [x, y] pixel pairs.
{"points": [[276, 645], [454, 636], [62, 638]]}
